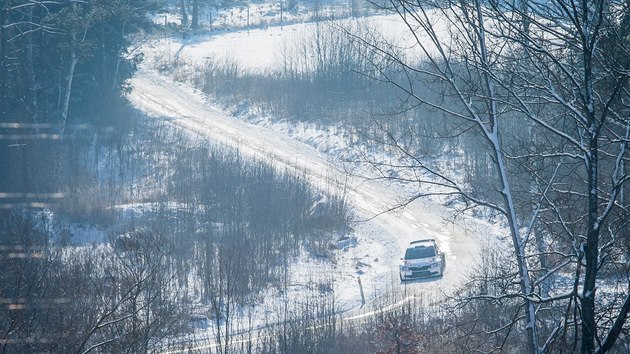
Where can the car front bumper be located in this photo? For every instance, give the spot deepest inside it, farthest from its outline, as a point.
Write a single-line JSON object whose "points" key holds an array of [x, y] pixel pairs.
{"points": [[414, 272]]}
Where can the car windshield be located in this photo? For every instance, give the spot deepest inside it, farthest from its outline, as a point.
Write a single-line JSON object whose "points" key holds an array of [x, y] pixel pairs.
{"points": [[419, 252]]}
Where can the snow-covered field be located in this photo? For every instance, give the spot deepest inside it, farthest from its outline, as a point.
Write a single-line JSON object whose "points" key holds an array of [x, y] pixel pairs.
{"points": [[319, 152], [260, 49], [268, 14]]}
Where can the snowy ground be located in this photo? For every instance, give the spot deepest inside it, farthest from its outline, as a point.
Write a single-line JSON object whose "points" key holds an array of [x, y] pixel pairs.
{"points": [[318, 152], [259, 50]]}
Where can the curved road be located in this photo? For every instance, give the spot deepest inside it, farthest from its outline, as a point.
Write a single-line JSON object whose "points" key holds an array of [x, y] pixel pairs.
{"points": [[186, 108]]}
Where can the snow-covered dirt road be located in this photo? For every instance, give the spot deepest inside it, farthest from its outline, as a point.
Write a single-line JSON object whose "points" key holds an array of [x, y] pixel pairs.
{"points": [[381, 240]]}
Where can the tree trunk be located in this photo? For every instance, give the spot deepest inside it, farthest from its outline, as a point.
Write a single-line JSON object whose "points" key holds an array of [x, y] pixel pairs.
{"points": [[33, 109], [492, 134], [68, 91], [591, 252], [184, 13], [119, 60], [195, 15], [3, 80], [519, 249]]}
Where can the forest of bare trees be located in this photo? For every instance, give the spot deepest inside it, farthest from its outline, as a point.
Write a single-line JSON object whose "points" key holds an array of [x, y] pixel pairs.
{"points": [[542, 90], [179, 224], [183, 225], [511, 111]]}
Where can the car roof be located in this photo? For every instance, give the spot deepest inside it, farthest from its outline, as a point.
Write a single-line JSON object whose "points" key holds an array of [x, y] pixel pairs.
{"points": [[428, 241]]}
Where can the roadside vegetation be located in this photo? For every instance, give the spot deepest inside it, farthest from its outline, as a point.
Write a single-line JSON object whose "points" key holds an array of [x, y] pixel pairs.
{"points": [[177, 227], [397, 322]]}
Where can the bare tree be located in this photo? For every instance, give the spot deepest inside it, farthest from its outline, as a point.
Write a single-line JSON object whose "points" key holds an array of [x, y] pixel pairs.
{"points": [[79, 23], [226, 286]]}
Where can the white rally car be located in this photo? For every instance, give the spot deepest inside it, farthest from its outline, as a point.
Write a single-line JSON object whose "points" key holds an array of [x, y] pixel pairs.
{"points": [[423, 258]]}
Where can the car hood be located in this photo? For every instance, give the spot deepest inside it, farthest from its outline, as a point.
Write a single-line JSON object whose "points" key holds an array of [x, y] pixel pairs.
{"points": [[420, 261]]}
